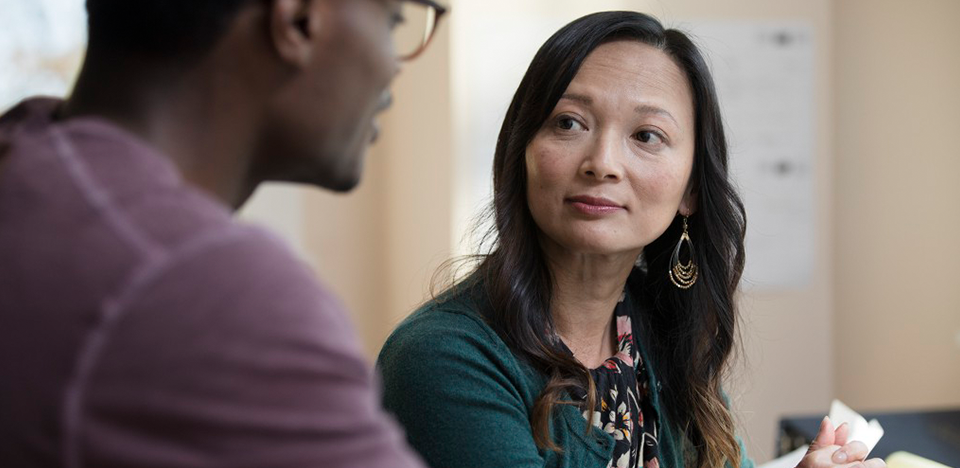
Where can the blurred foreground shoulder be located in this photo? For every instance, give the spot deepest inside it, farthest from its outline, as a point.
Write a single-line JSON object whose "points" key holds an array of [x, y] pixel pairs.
{"points": [[228, 352]]}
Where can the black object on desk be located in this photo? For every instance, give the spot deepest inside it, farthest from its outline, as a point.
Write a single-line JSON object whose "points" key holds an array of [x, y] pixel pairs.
{"points": [[930, 434]]}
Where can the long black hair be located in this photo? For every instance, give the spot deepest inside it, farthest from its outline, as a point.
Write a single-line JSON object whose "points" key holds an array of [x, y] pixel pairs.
{"points": [[690, 333]]}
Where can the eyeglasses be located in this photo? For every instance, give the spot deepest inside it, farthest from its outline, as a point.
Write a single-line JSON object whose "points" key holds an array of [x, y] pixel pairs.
{"points": [[415, 25]]}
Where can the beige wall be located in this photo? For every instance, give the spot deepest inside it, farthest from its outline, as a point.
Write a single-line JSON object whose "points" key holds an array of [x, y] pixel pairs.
{"points": [[897, 203], [378, 246]]}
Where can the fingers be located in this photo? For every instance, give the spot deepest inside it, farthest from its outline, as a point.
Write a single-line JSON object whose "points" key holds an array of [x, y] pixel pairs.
{"points": [[850, 455], [841, 434], [824, 436], [853, 452], [871, 463], [822, 459]]}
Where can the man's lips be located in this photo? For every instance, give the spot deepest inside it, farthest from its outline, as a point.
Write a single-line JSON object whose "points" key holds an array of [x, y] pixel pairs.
{"points": [[374, 130], [386, 100]]}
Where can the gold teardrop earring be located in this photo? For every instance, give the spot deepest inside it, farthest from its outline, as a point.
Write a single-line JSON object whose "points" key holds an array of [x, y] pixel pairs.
{"points": [[683, 275]]}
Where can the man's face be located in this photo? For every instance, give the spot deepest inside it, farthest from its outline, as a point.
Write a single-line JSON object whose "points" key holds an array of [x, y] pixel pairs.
{"points": [[322, 121]]}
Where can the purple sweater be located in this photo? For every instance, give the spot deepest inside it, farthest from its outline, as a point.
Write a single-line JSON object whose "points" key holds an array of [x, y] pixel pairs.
{"points": [[141, 326]]}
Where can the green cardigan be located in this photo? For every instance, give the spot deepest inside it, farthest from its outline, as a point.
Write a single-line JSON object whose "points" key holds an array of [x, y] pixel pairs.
{"points": [[465, 399]]}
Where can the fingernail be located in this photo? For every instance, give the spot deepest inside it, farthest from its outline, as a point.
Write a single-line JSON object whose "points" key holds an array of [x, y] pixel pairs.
{"points": [[839, 456]]}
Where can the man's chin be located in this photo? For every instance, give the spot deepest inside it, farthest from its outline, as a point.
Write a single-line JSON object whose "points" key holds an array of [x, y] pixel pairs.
{"points": [[343, 185], [346, 178], [340, 171], [329, 179]]}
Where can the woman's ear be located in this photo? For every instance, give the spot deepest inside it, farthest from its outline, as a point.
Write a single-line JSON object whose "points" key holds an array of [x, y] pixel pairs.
{"points": [[688, 204]]}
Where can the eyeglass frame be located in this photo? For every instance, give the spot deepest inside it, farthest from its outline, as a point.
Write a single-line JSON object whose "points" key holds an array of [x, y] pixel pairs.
{"points": [[439, 10]]}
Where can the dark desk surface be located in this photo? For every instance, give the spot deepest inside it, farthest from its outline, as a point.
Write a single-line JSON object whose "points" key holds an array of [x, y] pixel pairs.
{"points": [[929, 434]]}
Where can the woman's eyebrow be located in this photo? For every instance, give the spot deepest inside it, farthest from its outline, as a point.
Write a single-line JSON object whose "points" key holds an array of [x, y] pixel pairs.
{"points": [[581, 98], [645, 109]]}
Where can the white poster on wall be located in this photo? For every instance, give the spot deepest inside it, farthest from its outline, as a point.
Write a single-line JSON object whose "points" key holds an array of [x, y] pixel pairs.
{"points": [[764, 74]]}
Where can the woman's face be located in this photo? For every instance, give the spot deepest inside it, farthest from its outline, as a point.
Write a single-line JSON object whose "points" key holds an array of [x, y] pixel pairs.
{"points": [[610, 168]]}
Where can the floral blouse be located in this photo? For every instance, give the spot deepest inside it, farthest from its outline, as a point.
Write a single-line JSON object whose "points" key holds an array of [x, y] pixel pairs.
{"points": [[624, 407]]}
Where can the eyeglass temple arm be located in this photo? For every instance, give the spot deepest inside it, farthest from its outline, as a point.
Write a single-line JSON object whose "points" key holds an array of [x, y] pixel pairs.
{"points": [[432, 4]]}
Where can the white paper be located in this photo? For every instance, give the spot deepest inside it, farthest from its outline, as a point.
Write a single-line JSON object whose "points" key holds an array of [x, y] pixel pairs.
{"points": [[867, 432]]}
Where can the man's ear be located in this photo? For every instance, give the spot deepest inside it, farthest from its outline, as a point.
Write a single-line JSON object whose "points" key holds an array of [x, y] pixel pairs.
{"points": [[293, 25]]}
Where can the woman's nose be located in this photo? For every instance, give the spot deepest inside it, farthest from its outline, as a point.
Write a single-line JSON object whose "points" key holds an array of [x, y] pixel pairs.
{"points": [[603, 162]]}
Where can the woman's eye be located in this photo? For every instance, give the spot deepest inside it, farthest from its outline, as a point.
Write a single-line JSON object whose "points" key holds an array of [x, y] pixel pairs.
{"points": [[646, 136], [568, 123]]}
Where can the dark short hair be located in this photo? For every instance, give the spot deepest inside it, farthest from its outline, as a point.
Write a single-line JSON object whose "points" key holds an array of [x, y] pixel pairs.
{"points": [[159, 28]]}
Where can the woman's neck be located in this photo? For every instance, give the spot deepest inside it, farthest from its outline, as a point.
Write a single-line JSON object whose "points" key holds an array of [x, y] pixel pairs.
{"points": [[586, 290]]}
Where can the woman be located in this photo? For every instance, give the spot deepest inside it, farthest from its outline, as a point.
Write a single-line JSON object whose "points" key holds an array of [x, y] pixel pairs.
{"points": [[593, 333]]}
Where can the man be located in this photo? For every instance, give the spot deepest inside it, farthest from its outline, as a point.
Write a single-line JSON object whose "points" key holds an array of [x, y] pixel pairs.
{"points": [[140, 325]]}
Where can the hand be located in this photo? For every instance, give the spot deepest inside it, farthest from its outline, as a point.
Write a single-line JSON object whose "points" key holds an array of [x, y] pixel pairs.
{"points": [[830, 449]]}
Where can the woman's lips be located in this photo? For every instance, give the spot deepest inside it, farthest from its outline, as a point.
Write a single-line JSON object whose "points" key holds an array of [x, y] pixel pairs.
{"points": [[594, 206]]}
